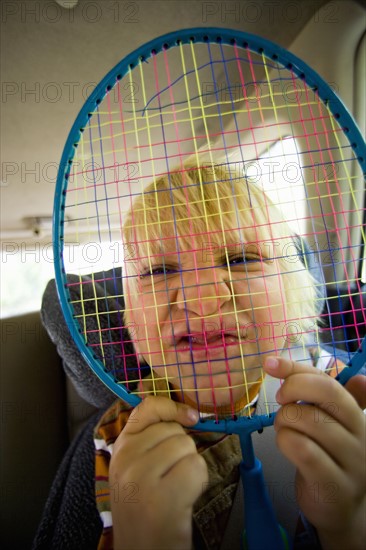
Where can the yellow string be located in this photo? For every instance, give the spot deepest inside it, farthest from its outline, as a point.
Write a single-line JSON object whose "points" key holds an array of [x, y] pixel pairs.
{"points": [[276, 108], [83, 157], [204, 118], [156, 112], [146, 224], [348, 177], [136, 132], [189, 119], [77, 225]]}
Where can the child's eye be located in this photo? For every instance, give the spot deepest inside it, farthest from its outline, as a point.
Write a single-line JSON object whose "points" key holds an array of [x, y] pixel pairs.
{"points": [[157, 270], [242, 259]]}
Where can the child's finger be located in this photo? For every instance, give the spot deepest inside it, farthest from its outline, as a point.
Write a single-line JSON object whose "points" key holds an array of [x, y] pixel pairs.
{"points": [[159, 409], [168, 453], [326, 432], [278, 367], [307, 384], [307, 455], [327, 394], [191, 473]]}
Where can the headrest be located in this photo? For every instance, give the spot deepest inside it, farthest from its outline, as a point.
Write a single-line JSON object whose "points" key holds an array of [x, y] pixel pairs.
{"points": [[104, 286]]}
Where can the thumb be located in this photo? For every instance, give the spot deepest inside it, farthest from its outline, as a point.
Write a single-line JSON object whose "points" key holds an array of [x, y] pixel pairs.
{"points": [[155, 409]]}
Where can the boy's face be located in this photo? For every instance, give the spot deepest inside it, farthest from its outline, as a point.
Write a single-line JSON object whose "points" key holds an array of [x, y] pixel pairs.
{"points": [[204, 326]]}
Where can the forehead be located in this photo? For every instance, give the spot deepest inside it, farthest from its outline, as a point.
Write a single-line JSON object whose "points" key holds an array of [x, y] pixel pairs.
{"points": [[170, 241], [222, 220], [168, 219]]}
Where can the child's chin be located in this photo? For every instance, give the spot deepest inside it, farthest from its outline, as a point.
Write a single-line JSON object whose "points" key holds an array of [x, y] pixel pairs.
{"points": [[224, 403]]}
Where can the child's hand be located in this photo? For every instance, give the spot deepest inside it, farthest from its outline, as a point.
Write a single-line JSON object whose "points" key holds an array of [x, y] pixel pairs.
{"points": [[325, 439], [160, 462]]}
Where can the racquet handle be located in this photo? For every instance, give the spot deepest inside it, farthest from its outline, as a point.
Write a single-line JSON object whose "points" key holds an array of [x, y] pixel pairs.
{"points": [[261, 527]]}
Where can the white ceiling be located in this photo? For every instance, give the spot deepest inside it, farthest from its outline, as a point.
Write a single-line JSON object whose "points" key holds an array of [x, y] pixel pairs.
{"points": [[52, 57]]}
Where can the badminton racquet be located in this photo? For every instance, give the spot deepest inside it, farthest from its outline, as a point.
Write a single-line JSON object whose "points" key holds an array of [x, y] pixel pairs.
{"points": [[222, 249]]}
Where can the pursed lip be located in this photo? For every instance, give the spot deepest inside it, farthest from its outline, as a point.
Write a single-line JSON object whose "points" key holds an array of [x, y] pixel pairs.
{"points": [[203, 340]]}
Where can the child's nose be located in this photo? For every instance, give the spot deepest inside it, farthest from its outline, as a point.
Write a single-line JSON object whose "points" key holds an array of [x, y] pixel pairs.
{"points": [[203, 292]]}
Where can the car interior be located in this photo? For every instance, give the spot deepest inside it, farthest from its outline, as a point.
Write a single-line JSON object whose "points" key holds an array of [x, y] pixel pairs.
{"points": [[54, 52]]}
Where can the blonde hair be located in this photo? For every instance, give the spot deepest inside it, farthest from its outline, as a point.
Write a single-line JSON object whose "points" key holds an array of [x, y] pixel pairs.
{"points": [[215, 199]]}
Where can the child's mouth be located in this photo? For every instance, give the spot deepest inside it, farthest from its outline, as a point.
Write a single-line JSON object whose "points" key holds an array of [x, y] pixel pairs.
{"points": [[205, 344]]}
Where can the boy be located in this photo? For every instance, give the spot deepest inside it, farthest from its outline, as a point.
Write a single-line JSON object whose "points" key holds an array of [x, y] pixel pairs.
{"points": [[216, 299]]}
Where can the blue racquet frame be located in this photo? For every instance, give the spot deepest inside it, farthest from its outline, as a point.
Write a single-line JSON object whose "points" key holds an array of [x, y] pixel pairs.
{"points": [[259, 534]]}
